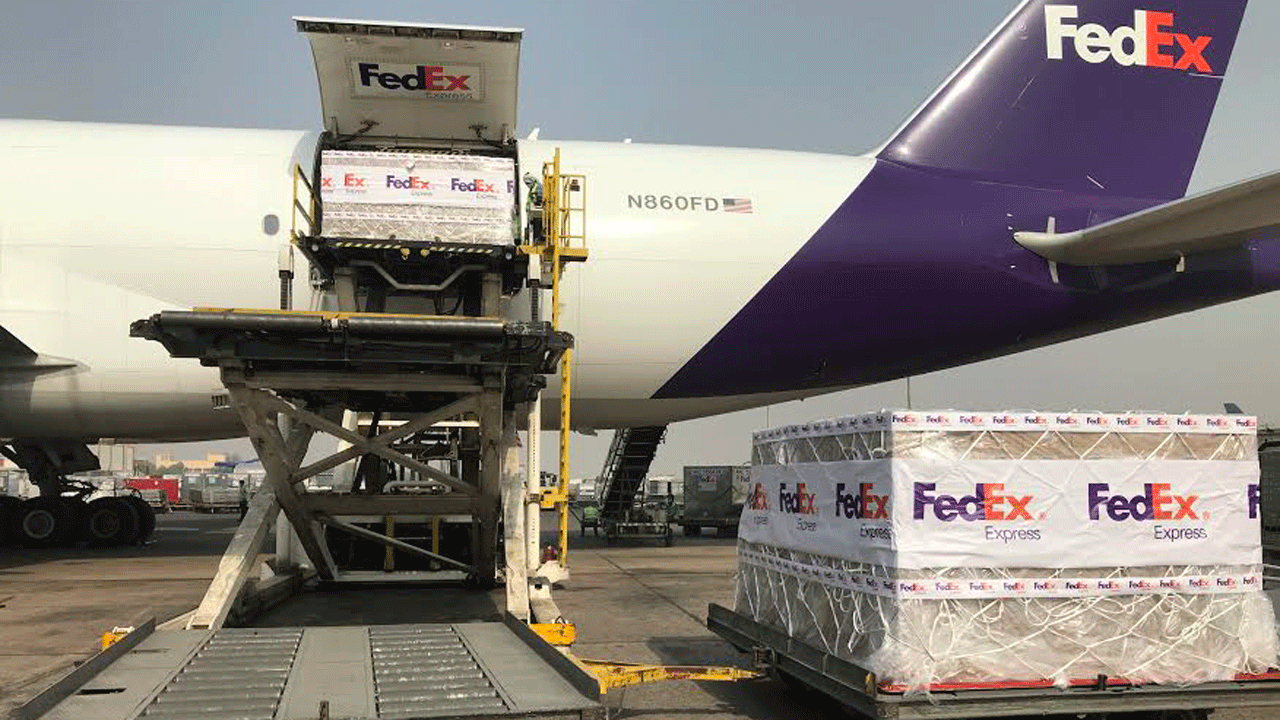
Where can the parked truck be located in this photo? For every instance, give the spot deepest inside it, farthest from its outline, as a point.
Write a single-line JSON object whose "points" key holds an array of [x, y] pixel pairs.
{"points": [[713, 497], [161, 493]]}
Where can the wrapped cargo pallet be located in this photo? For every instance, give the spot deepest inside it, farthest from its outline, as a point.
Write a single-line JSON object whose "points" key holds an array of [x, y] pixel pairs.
{"points": [[438, 197], [985, 547]]}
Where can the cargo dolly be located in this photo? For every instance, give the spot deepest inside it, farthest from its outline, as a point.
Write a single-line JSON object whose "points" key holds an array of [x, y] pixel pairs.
{"points": [[804, 666], [713, 497]]}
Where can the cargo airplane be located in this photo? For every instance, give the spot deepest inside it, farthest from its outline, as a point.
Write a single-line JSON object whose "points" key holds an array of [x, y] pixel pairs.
{"points": [[1035, 197]]}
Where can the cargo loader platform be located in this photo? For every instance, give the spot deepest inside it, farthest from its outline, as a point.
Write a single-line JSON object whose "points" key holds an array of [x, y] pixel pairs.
{"points": [[490, 669], [408, 265], [397, 357]]}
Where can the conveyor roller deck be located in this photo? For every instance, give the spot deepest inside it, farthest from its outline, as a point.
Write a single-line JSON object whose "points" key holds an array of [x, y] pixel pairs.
{"points": [[490, 669]]}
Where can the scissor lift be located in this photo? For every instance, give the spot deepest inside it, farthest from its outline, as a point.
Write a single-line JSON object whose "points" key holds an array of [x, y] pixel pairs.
{"points": [[420, 339]]}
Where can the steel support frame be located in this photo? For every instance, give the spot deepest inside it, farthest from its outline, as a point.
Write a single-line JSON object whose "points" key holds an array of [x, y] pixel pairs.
{"points": [[237, 564], [379, 444], [259, 408], [491, 458], [514, 496], [390, 542], [490, 479], [240, 558], [280, 458], [486, 502]]}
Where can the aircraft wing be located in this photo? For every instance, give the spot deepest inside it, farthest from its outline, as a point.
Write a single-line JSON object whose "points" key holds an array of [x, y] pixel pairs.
{"points": [[17, 358], [12, 347], [1220, 218]]}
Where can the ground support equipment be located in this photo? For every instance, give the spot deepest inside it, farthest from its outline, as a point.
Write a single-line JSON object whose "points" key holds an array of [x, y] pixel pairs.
{"points": [[290, 374], [437, 670], [639, 528], [804, 665], [622, 485]]}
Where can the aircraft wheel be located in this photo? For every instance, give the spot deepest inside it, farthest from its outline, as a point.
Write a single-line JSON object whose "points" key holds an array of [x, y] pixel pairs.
{"points": [[146, 518], [8, 506], [79, 515], [111, 521], [44, 522]]}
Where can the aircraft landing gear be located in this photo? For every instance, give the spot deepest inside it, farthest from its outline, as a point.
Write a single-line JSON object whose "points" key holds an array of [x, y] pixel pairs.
{"points": [[57, 521], [60, 516], [146, 519], [8, 506], [111, 521], [46, 521]]}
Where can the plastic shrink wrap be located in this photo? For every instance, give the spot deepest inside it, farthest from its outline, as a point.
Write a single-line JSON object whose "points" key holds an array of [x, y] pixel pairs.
{"points": [[986, 547], [418, 196]]}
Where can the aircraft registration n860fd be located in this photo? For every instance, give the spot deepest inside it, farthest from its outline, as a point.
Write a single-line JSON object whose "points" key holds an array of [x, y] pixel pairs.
{"points": [[1035, 197]]}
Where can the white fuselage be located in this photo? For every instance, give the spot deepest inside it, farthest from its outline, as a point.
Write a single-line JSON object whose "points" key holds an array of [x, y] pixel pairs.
{"points": [[101, 225]]}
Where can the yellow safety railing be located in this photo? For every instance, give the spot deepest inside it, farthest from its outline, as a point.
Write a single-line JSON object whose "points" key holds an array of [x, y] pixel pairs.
{"points": [[308, 212], [564, 225], [564, 211]]}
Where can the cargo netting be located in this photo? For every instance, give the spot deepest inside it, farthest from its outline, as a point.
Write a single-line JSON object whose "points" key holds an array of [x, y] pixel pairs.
{"points": [[438, 197], [1012, 547]]}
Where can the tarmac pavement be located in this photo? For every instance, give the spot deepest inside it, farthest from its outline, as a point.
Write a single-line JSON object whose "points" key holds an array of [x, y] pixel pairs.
{"points": [[634, 603], [55, 604]]}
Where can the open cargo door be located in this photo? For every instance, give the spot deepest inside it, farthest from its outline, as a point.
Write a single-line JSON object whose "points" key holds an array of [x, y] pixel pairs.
{"points": [[415, 82]]}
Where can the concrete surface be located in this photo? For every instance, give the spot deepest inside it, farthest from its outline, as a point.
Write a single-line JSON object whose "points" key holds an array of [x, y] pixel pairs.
{"points": [[637, 603], [56, 603]]}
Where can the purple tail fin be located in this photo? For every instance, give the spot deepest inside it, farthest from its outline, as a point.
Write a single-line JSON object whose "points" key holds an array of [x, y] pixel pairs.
{"points": [[1102, 96]]}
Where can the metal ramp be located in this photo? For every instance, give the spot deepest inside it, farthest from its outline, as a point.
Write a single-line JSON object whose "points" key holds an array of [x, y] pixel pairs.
{"points": [[491, 669]]}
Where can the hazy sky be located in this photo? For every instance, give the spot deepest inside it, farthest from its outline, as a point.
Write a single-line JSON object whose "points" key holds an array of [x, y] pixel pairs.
{"points": [[831, 77]]}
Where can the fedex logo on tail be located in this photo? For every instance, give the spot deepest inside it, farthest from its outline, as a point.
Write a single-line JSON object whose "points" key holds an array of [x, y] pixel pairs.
{"points": [[1150, 42]]}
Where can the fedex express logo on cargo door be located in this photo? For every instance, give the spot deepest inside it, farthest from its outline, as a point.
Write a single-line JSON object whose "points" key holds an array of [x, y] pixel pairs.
{"points": [[1150, 42], [437, 82]]}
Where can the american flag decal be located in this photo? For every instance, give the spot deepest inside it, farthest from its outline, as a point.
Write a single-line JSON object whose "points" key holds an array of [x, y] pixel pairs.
{"points": [[737, 205]]}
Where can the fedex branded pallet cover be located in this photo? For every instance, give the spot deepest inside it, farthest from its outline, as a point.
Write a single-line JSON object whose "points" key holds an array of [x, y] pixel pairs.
{"points": [[968, 547], [418, 196]]}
